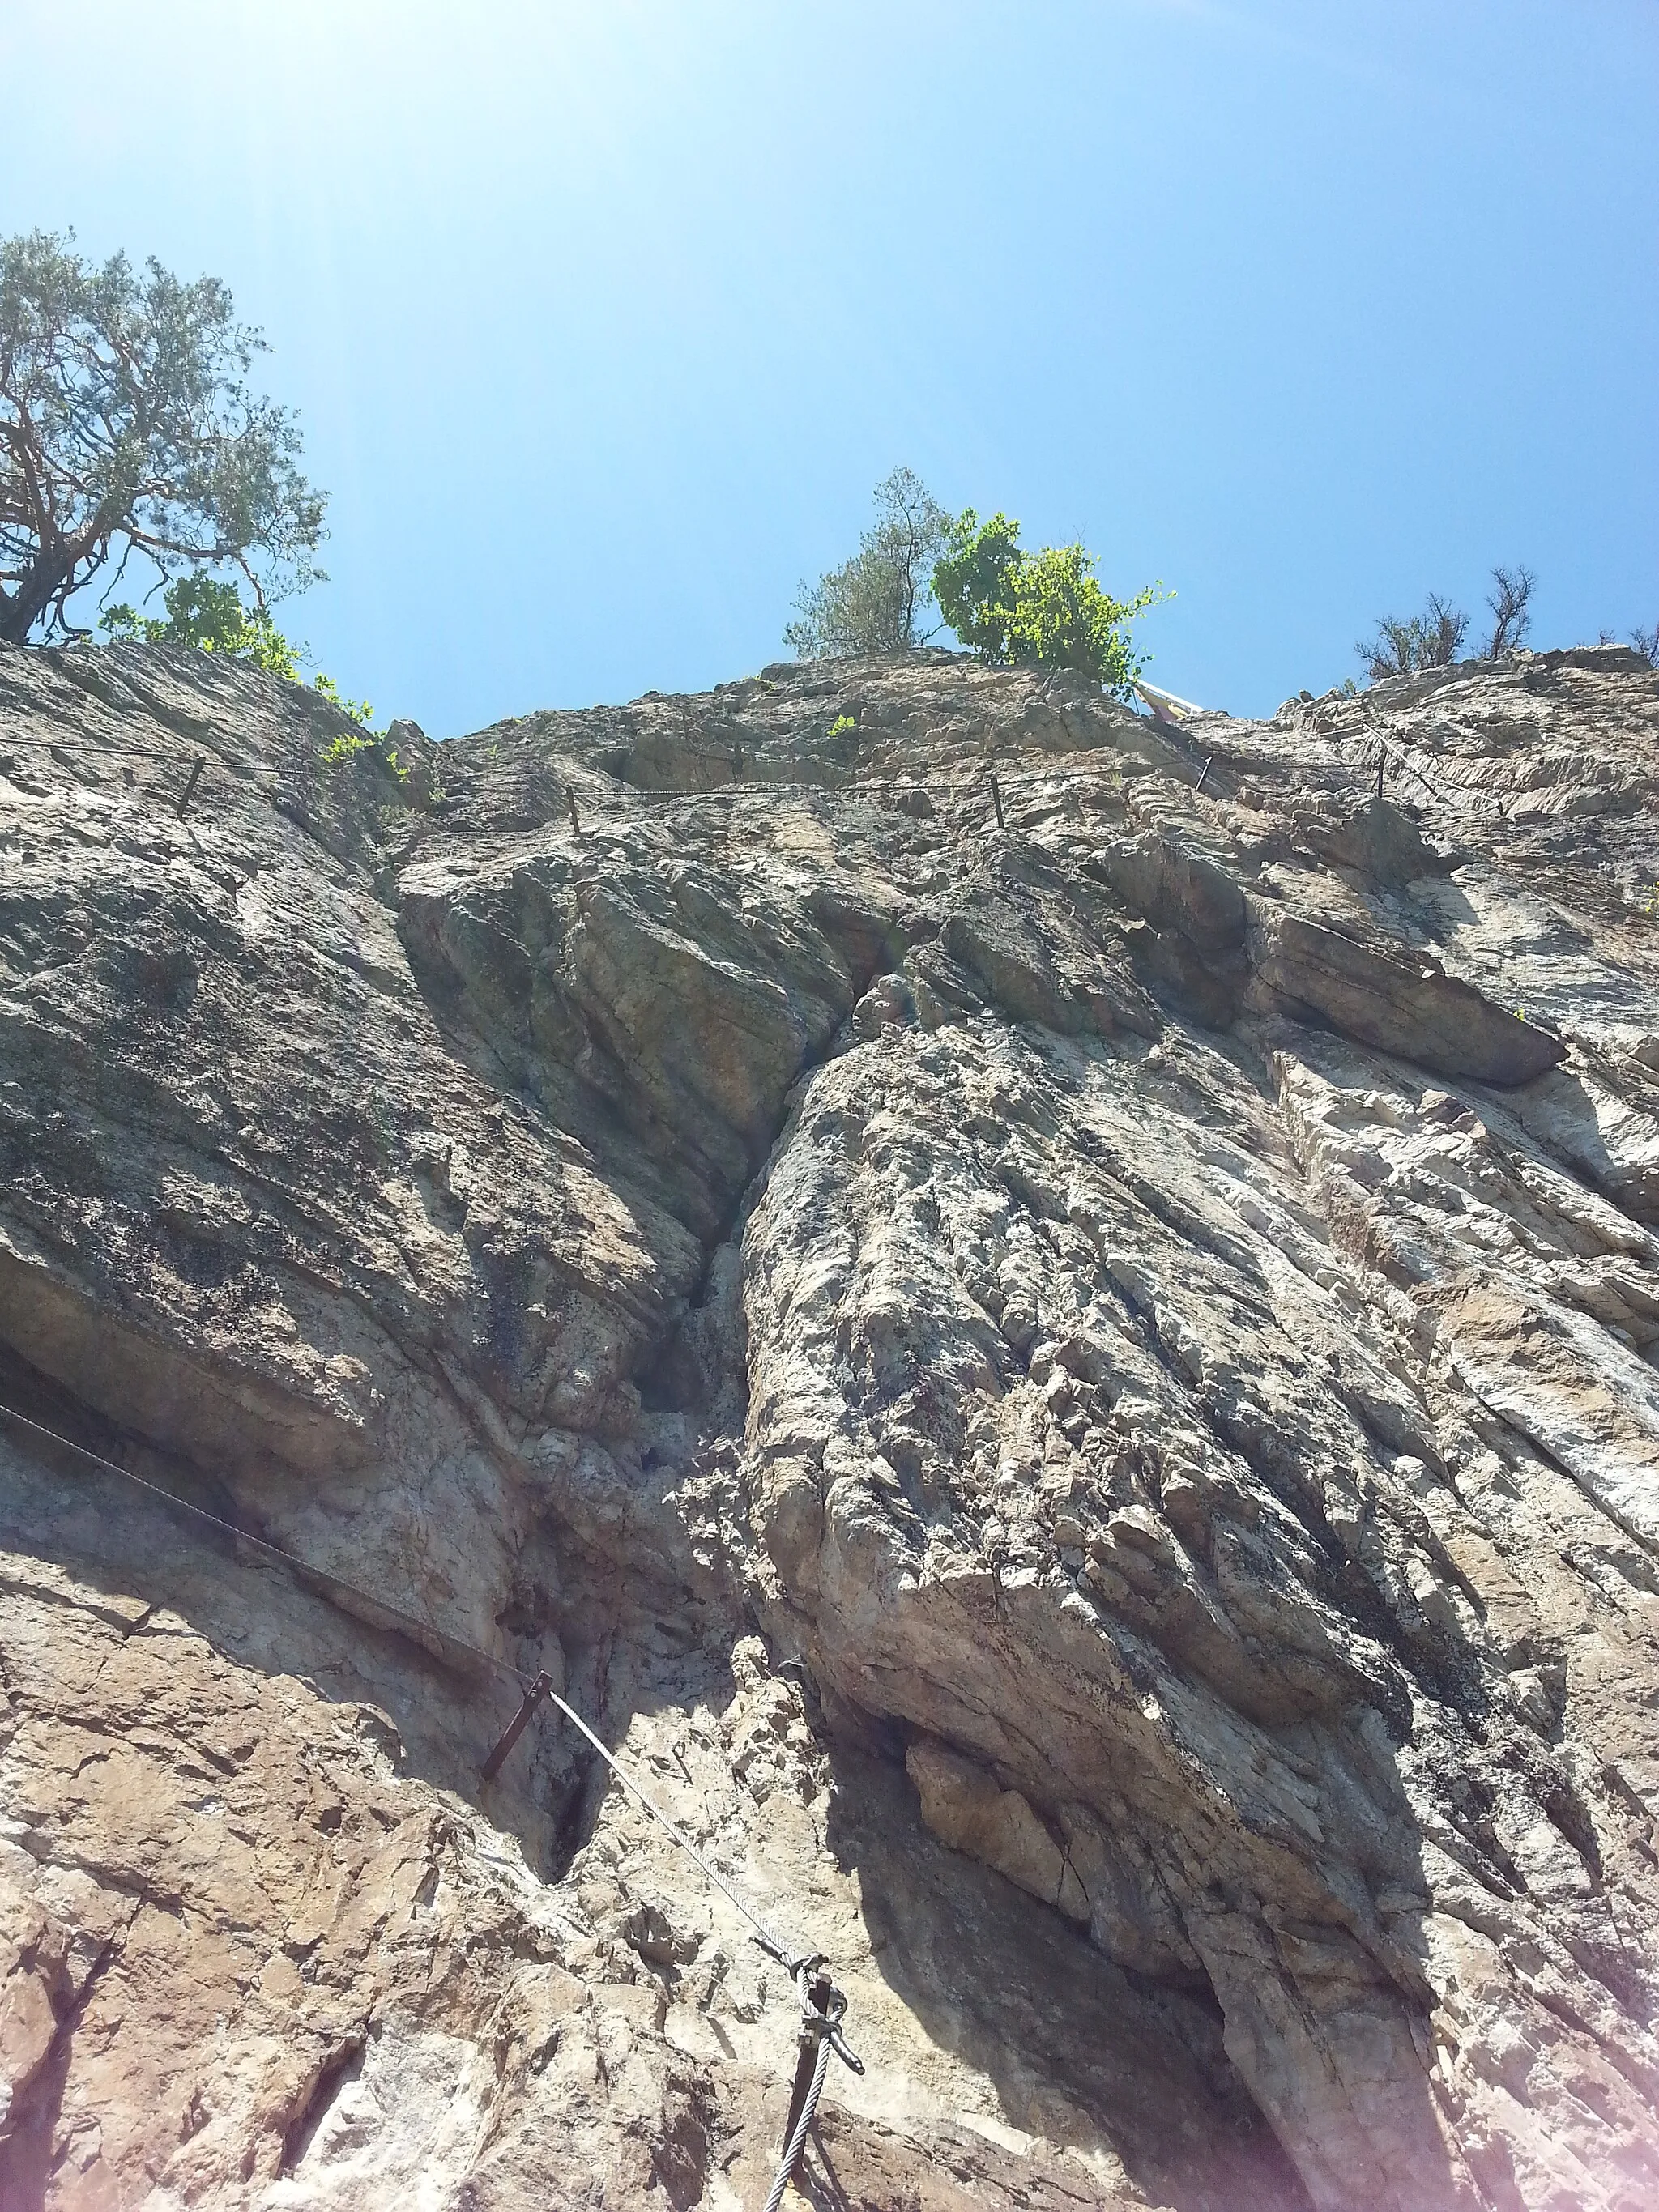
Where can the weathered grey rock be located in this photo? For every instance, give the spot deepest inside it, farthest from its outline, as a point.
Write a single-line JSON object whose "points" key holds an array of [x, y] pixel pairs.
{"points": [[1398, 999], [1379, 841], [965, 1807], [1080, 1401]]}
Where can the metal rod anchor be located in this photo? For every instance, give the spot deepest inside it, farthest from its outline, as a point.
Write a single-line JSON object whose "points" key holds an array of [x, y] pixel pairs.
{"points": [[515, 1728]]}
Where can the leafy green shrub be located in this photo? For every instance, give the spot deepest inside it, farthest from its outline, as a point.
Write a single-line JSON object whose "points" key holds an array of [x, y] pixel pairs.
{"points": [[204, 613], [843, 726], [209, 615], [359, 709], [973, 582], [345, 747], [1043, 609], [351, 744]]}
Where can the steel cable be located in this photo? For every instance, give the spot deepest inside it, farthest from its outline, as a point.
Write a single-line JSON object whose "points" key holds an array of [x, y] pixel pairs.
{"points": [[424, 1632], [425, 1635], [825, 2025], [797, 2141]]}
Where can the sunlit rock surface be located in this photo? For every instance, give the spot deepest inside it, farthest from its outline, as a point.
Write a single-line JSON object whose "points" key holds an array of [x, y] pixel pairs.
{"points": [[1079, 1400]]}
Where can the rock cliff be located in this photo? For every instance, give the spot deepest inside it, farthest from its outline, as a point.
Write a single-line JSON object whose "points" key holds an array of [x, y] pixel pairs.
{"points": [[1077, 1399]]}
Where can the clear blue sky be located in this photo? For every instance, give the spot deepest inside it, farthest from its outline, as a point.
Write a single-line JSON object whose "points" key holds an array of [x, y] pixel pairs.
{"points": [[604, 318]]}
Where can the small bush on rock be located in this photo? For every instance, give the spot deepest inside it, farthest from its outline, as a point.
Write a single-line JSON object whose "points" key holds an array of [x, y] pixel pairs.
{"points": [[1434, 638], [1403, 648], [209, 616], [1510, 602], [1043, 609]]}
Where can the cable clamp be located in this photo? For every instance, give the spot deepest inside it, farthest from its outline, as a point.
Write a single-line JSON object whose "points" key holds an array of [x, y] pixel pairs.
{"points": [[823, 2008]]}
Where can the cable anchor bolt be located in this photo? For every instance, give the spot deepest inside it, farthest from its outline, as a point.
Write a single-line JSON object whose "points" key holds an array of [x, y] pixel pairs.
{"points": [[515, 1728]]}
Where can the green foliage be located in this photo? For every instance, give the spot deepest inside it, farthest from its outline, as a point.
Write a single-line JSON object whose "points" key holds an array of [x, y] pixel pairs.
{"points": [[346, 747], [353, 745], [875, 602], [359, 709], [1043, 609], [207, 614], [974, 582], [128, 423], [843, 726]]}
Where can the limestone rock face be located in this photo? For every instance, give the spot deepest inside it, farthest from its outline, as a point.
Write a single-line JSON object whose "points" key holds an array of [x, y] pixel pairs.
{"points": [[1079, 1402]]}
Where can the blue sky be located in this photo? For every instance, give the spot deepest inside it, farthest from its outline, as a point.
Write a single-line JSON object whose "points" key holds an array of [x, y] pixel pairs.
{"points": [[604, 318]]}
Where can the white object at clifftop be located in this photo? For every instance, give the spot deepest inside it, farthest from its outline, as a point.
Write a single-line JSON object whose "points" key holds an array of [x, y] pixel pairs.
{"points": [[1164, 704]]}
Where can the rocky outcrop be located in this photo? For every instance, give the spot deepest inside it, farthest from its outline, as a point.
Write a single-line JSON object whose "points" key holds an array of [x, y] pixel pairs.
{"points": [[1079, 1400], [1398, 999]]}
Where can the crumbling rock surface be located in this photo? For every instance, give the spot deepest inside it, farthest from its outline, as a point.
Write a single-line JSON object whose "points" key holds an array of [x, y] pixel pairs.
{"points": [[1079, 1401]]}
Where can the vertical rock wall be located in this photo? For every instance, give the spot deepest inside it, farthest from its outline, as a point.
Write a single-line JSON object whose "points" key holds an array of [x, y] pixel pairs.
{"points": [[1079, 1400]]}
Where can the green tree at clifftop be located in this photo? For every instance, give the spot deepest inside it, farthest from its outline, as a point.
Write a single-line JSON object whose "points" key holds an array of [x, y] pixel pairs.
{"points": [[128, 425], [875, 602]]}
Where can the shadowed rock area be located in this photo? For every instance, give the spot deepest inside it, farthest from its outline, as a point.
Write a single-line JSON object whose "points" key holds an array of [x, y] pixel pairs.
{"points": [[1080, 1401]]}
